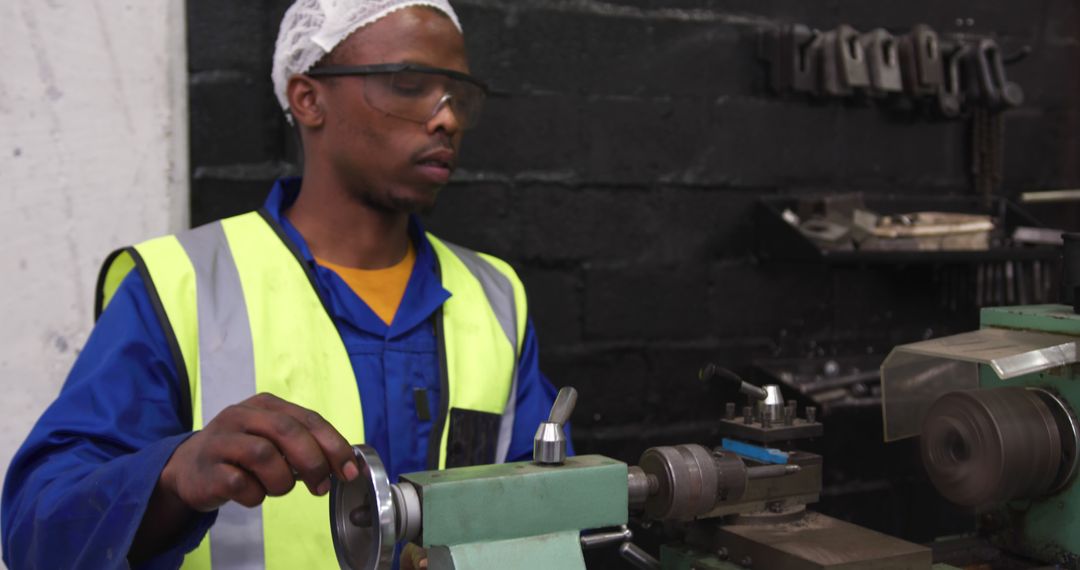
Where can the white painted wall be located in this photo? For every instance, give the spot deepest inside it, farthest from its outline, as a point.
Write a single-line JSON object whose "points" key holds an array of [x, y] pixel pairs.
{"points": [[93, 156]]}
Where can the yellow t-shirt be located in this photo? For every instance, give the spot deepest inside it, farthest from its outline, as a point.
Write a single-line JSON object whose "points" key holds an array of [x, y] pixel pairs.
{"points": [[381, 289]]}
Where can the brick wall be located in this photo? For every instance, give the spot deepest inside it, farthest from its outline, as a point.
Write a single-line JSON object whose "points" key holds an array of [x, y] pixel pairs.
{"points": [[617, 169]]}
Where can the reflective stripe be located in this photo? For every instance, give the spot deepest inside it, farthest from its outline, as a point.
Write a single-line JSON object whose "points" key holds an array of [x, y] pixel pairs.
{"points": [[500, 295], [227, 377]]}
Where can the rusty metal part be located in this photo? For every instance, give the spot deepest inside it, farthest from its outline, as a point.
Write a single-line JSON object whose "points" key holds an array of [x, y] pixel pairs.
{"points": [[987, 446]]}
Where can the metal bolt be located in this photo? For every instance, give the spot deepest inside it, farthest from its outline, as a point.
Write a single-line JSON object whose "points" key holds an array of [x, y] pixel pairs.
{"points": [[729, 411], [747, 562], [361, 516], [789, 415], [722, 553], [811, 414], [766, 421], [747, 415]]}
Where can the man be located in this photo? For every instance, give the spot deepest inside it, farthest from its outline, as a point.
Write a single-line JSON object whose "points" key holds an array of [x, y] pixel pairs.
{"points": [[231, 361]]}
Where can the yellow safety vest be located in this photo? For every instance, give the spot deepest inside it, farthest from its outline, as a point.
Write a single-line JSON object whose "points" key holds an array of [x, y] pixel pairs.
{"points": [[242, 316]]}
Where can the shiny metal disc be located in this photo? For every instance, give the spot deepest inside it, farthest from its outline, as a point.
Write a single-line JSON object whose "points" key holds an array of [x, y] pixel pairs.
{"points": [[362, 515]]}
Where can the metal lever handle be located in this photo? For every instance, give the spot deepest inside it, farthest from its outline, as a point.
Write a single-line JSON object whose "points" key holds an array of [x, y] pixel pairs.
{"points": [[563, 406], [633, 554], [710, 371], [604, 538], [549, 445]]}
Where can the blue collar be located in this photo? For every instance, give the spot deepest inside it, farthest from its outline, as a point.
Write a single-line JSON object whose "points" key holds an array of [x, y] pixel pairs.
{"points": [[423, 295]]}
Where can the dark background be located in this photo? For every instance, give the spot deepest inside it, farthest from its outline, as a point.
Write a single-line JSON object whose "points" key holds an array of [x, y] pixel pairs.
{"points": [[618, 168]]}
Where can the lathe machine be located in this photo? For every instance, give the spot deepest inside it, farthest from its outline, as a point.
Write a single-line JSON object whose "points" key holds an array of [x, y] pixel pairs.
{"points": [[995, 409], [996, 412], [741, 505]]}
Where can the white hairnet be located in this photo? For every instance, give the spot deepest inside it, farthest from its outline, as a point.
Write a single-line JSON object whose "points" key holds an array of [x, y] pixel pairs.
{"points": [[312, 28]]}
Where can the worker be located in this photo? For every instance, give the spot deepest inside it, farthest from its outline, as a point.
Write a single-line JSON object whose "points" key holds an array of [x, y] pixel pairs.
{"points": [[230, 362]]}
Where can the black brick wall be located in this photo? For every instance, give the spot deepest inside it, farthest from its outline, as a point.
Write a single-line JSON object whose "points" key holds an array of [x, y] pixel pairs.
{"points": [[617, 169]]}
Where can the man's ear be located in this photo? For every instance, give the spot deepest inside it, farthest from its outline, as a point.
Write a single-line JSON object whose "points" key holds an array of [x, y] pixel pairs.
{"points": [[305, 101]]}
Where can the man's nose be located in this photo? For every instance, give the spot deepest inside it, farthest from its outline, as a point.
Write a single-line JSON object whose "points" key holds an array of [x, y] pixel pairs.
{"points": [[443, 117]]}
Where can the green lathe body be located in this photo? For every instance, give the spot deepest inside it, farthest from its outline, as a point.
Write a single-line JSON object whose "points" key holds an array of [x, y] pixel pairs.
{"points": [[518, 515], [1047, 529]]}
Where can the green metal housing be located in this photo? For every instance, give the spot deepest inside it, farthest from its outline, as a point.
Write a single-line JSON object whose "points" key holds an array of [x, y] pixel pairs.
{"points": [[490, 503], [1047, 529]]}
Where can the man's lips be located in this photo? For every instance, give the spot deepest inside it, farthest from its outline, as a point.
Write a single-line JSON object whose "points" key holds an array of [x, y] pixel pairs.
{"points": [[439, 158], [437, 165]]}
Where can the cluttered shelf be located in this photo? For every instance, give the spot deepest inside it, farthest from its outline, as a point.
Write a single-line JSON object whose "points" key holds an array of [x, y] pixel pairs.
{"points": [[858, 228]]}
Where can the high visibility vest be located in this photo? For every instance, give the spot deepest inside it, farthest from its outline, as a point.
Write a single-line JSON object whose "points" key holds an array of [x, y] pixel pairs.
{"points": [[242, 316]]}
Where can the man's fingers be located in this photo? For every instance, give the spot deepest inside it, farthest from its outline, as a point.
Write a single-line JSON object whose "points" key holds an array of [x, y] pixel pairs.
{"points": [[260, 458], [292, 439], [302, 453], [413, 557], [231, 483], [334, 448]]}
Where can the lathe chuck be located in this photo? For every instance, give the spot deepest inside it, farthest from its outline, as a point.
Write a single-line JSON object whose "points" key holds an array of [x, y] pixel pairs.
{"points": [[689, 480], [987, 446]]}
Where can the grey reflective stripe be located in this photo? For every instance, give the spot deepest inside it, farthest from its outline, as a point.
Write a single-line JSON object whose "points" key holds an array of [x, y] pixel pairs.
{"points": [[226, 377], [500, 295]]}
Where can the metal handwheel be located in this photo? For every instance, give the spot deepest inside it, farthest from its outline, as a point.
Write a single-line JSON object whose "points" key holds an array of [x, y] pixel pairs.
{"points": [[362, 515]]}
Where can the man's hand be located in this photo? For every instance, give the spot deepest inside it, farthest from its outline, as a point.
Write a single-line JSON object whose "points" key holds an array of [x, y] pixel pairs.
{"points": [[413, 557], [251, 450], [258, 447]]}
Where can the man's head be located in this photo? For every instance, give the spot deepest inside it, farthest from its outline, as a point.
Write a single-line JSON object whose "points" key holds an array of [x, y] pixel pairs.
{"points": [[351, 79]]}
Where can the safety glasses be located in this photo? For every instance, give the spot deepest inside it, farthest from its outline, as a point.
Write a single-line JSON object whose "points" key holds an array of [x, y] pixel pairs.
{"points": [[416, 92]]}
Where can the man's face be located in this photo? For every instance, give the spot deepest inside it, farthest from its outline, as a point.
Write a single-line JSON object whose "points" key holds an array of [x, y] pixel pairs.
{"points": [[388, 162]]}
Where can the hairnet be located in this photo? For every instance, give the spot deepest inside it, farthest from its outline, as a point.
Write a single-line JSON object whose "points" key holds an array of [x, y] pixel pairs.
{"points": [[312, 28]]}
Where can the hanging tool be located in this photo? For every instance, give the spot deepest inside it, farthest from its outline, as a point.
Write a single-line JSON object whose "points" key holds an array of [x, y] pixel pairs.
{"points": [[920, 57], [851, 64], [883, 62]]}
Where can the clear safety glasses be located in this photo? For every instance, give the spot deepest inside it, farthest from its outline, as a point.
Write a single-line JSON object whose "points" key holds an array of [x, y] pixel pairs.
{"points": [[416, 92]]}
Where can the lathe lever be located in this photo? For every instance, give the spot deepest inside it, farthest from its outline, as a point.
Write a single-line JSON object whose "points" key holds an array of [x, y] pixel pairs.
{"points": [[711, 371], [633, 554], [604, 538], [549, 445]]}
